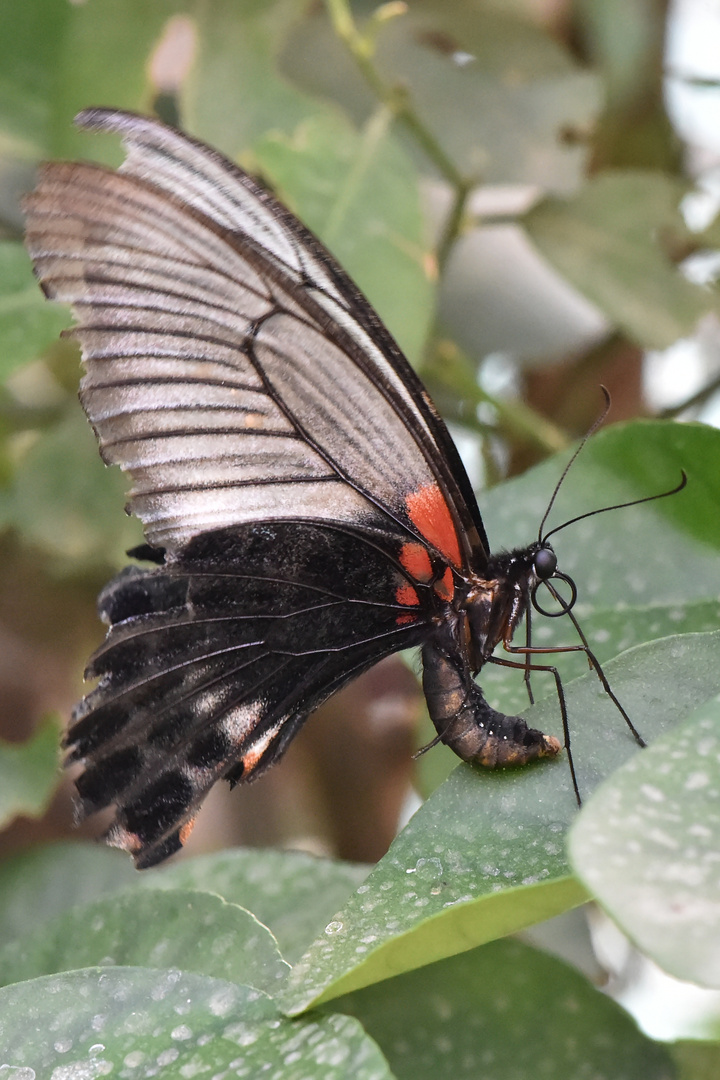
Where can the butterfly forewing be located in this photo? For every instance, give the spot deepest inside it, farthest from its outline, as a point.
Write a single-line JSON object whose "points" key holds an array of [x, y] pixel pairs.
{"points": [[204, 179], [209, 348]]}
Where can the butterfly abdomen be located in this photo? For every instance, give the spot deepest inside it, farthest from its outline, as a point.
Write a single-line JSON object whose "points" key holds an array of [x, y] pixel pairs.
{"points": [[467, 724]]}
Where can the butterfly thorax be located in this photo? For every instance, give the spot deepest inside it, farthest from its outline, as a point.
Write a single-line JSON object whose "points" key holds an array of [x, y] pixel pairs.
{"points": [[496, 602]]}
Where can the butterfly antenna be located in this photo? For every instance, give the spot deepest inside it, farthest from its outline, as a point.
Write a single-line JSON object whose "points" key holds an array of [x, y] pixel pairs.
{"points": [[621, 506], [566, 470]]}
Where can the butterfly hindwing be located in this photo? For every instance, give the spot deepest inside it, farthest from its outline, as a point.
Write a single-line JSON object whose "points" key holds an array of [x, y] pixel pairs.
{"points": [[213, 662]]}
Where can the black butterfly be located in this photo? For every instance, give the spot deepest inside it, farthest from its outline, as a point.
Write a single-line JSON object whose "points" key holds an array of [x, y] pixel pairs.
{"points": [[305, 503]]}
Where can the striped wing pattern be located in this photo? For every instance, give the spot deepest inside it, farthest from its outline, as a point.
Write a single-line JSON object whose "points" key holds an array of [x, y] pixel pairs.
{"points": [[228, 369]]}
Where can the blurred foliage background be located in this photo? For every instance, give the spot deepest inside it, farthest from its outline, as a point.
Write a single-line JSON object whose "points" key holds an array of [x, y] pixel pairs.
{"points": [[502, 179]]}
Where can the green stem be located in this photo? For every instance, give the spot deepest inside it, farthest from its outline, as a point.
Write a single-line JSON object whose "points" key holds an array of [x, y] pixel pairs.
{"points": [[453, 370], [362, 49], [453, 224], [514, 419]]}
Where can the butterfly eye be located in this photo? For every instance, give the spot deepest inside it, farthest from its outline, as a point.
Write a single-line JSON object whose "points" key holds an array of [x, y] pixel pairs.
{"points": [[545, 563]]}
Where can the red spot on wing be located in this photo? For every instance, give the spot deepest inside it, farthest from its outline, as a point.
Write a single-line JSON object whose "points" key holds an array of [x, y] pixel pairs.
{"points": [[185, 831], [445, 587], [251, 760], [430, 514], [405, 594], [416, 560]]}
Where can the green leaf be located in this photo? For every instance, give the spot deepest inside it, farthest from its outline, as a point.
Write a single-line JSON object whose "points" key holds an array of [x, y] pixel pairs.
{"points": [[29, 773], [647, 844], [103, 59], [696, 1060], [359, 193], [38, 884], [190, 931], [642, 572], [659, 551], [58, 58], [140, 1023], [235, 92], [28, 324], [495, 91], [504, 1011], [30, 50], [484, 856], [613, 242], [66, 502], [292, 893]]}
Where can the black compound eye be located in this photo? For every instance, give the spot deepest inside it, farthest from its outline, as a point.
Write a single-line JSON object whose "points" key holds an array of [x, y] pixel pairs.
{"points": [[545, 563]]}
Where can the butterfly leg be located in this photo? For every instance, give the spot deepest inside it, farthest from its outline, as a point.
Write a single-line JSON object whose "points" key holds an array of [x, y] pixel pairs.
{"points": [[530, 650], [527, 667]]}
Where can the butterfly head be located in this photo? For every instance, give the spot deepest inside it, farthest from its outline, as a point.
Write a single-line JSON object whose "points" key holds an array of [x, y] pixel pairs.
{"points": [[545, 572]]}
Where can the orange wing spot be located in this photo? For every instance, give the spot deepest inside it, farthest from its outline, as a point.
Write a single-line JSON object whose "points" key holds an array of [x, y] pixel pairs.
{"points": [[416, 560], [402, 620], [120, 837], [405, 594], [185, 831], [430, 513], [252, 758], [250, 762], [445, 587]]}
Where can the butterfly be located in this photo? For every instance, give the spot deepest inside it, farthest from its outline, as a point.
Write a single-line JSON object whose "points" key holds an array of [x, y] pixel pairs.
{"points": [[305, 509]]}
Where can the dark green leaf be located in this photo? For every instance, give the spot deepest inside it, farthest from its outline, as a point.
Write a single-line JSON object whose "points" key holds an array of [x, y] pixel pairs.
{"points": [[614, 242], [103, 59], [28, 324], [292, 893], [141, 1024], [503, 1011], [66, 502], [696, 1060], [59, 58], [190, 931], [235, 92], [495, 92], [31, 36], [38, 884], [29, 773], [484, 856]]}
